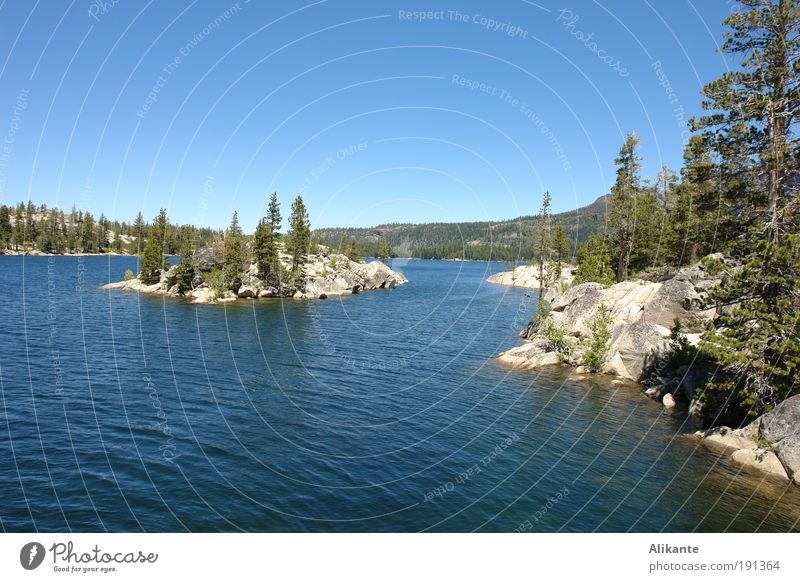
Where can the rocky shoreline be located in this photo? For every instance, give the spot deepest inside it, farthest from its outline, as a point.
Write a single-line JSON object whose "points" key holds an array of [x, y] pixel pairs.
{"points": [[641, 315], [527, 277], [325, 274], [641, 344], [770, 445]]}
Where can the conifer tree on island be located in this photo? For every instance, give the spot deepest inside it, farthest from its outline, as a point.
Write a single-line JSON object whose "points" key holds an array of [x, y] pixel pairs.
{"points": [[383, 250], [234, 253], [153, 259], [353, 250], [298, 240], [265, 244]]}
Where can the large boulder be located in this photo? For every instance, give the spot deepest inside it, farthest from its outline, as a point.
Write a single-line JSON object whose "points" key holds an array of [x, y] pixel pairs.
{"points": [[769, 444], [639, 345], [202, 294], [782, 422], [247, 292], [641, 314], [761, 461], [788, 451], [531, 355], [527, 276], [207, 258], [376, 275]]}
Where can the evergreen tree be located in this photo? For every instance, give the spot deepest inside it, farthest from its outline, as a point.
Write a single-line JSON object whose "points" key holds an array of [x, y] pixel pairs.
{"points": [[543, 244], [274, 214], [561, 248], [299, 238], [665, 187], [153, 260], [87, 239], [138, 231], [650, 226], [755, 338], [266, 252], [19, 226], [159, 230], [755, 110], [696, 207], [234, 253], [5, 226], [384, 253], [622, 219], [353, 250], [594, 262]]}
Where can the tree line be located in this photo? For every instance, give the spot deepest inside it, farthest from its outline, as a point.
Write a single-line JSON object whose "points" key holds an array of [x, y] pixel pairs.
{"points": [[736, 194], [28, 227]]}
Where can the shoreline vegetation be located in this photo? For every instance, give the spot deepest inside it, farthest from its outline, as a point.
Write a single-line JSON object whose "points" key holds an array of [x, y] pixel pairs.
{"points": [[693, 290], [267, 264]]}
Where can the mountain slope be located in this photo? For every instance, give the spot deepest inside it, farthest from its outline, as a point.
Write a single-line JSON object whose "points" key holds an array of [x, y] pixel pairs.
{"points": [[508, 240]]}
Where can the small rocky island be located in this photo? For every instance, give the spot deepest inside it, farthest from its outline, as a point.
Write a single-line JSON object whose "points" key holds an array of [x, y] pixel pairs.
{"points": [[325, 274]]}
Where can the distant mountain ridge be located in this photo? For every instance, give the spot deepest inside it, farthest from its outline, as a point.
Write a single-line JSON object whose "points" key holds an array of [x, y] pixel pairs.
{"points": [[505, 240]]}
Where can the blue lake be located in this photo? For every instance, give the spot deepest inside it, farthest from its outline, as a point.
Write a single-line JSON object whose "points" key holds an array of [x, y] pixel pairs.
{"points": [[384, 411]]}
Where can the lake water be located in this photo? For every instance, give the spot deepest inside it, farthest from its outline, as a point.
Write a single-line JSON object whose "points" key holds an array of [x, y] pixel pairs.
{"points": [[384, 411]]}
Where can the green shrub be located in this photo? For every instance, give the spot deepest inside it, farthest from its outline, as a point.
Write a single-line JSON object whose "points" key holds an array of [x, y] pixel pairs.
{"points": [[217, 282], [681, 351], [183, 275], [556, 335], [128, 275], [712, 265], [600, 326]]}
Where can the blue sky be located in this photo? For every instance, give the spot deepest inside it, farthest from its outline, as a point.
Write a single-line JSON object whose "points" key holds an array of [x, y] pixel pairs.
{"points": [[373, 112]]}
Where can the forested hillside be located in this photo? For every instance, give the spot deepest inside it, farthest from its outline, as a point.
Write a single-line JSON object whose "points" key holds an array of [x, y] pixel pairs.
{"points": [[508, 240]]}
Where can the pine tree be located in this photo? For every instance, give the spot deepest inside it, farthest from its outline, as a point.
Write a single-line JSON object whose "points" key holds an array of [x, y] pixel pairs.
{"points": [[384, 253], [153, 260], [622, 219], [594, 262], [299, 238], [19, 226], [696, 208], [756, 109], [265, 252], [562, 246], [87, 233], [354, 250], [665, 187], [543, 244], [755, 338], [138, 231], [274, 214], [5, 226], [234, 253], [649, 231]]}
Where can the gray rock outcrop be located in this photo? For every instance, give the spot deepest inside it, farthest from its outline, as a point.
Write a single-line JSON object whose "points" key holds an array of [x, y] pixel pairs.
{"points": [[527, 276], [770, 444], [641, 315]]}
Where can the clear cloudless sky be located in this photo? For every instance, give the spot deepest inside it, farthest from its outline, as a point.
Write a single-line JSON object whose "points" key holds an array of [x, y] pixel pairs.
{"points": [[372, 114]]}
